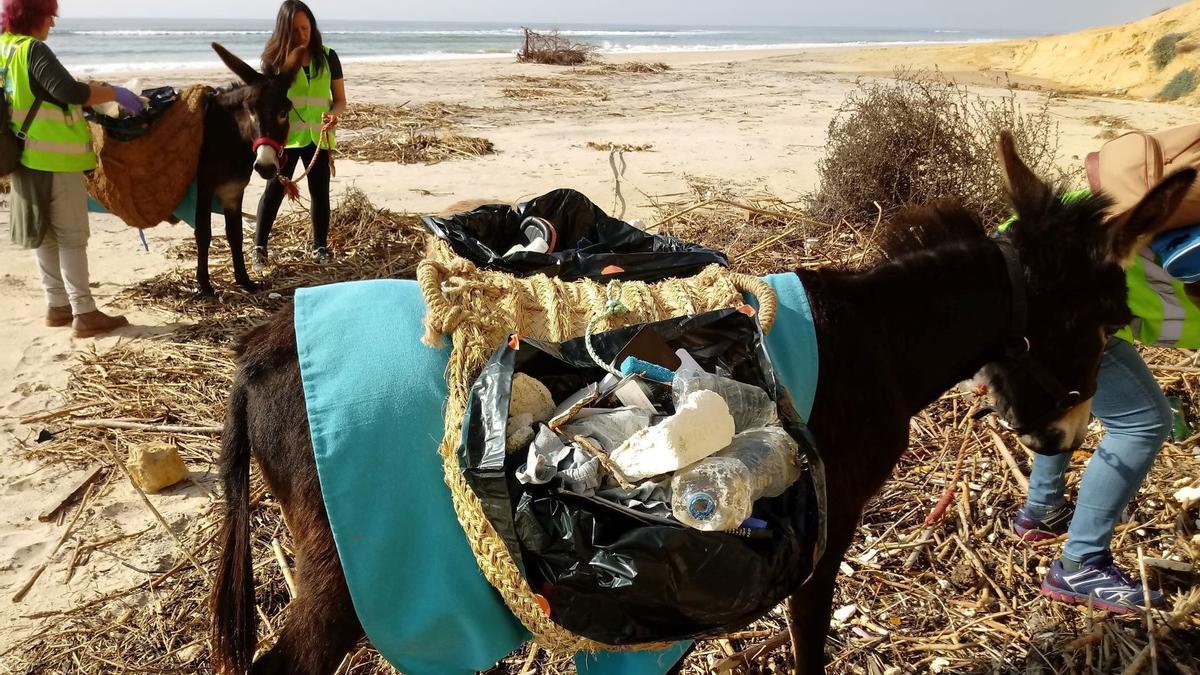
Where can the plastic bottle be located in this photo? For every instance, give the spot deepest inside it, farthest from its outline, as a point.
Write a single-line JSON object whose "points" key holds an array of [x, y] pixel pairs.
{"points": [[718, 493], [750, 406]]}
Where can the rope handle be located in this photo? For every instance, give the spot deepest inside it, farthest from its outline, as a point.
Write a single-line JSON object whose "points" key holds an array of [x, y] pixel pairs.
{"points": [[613, 307], [768, 301], [441, 317], [290, 187]]}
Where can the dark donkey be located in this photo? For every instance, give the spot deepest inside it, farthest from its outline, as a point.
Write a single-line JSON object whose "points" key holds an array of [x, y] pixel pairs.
{"points": [[1033, 314], [245, 127]]}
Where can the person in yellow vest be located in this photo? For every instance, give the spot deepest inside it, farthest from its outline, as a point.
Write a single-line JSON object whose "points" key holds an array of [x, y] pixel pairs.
{"points": [[318, 96], [1137, 420], [49, 198]]}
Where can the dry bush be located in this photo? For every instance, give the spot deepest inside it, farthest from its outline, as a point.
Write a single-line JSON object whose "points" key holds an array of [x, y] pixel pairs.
{"points": [[554, 49], [620, 147], [920, 138]]}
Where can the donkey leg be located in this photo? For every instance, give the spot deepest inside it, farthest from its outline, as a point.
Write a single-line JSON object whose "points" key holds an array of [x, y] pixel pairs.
{"points": [[233, 234], [321, 626], [204, 195], [811, 609]]}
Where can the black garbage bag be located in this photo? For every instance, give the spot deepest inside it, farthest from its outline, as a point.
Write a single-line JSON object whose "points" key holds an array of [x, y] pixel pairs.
{"points": [[589, 244], [620, 576], [134, 126]]}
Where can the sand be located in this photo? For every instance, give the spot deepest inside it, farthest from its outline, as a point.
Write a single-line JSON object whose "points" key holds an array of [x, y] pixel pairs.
{"points": [[755, 119]]}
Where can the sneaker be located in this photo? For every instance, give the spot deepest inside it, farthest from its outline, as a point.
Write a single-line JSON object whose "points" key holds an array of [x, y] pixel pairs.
{"points": [[57, 317], [1100, 579], [96, 323], [322, 256], [260, 259], [1049, 526]]}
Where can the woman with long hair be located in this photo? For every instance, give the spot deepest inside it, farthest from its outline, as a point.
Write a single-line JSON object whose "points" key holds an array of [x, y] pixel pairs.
{"points": [[318, 96], [49, 197]]}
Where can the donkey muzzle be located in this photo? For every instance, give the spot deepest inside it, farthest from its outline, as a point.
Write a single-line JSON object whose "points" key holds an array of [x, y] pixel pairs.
{"points": [[268, 157]]}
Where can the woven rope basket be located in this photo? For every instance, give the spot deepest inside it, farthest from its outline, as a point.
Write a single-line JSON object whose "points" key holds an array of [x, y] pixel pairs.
{"points": [[479, 310]]}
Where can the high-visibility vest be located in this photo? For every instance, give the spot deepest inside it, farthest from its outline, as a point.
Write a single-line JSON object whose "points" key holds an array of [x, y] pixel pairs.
{"points": [[1163, 312], [58, 139], [311, 98]]}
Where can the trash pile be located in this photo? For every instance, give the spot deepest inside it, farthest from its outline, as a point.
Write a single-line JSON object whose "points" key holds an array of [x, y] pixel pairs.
{"points": [[615, 465], [669, 441]]}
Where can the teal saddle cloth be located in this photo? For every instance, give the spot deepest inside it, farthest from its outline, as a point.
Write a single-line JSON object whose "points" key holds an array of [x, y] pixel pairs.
{"points": [[186, 211], [375, 398]]}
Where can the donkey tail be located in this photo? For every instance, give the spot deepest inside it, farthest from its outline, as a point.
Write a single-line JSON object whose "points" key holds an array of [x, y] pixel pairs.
{"points": [[234, 633]]}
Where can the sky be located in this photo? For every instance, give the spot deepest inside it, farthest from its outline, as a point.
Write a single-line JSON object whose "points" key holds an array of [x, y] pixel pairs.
{"points": [[1036, 16]]}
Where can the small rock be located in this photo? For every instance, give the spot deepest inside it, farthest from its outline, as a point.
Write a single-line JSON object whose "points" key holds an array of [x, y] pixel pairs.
{"points": [[274, 296], [940, 664], [155, 466]]}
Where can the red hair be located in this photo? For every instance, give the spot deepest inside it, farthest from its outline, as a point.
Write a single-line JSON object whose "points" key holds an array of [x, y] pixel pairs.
{"points": [[22, 17]]}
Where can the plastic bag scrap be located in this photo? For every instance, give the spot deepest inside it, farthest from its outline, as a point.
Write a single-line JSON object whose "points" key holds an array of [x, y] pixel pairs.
{"points": [[584, 241], [127, 128], [611, 564]]}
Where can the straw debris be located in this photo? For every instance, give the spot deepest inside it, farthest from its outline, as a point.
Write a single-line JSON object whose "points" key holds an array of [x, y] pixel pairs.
{"points": [[557, 90], [425, 133], [621, 147], [626, 68]]}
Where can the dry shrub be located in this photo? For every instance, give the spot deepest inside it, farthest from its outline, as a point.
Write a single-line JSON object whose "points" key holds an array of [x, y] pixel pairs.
{"points": [[553, 49], [920, 138]]}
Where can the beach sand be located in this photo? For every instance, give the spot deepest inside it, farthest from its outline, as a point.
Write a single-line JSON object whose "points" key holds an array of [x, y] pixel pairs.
{"points": [[753, 119]]}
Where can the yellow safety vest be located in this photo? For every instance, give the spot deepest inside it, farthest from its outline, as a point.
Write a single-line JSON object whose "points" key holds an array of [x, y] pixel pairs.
{"points": [[311, 98], [58, 139]]}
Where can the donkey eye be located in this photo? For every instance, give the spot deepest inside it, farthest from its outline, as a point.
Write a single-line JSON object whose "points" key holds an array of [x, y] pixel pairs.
{"points": [[282, 117]]}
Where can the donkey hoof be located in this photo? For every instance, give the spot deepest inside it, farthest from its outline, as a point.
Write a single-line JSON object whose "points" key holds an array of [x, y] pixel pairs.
{"points": [[251, 286], [205, 292]]}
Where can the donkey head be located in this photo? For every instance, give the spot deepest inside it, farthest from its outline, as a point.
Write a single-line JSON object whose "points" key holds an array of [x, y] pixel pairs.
{"points": [[1068, 255], [263, 116]]}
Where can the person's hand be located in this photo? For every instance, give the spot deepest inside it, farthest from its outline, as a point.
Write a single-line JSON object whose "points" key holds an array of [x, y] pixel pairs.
{"points": [[131, 102], [329, 120]]}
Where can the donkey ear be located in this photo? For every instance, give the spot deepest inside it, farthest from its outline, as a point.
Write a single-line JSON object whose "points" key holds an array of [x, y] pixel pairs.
{"points": [[1029, 194], [1131, 230], [239, 67], [293, 63]]}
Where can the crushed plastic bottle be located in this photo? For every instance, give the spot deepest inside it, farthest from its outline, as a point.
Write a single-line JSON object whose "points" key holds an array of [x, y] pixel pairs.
{"points": [[718, 493], [749, 405]]}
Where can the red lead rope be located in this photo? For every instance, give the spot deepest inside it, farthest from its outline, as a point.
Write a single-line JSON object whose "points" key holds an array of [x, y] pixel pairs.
{"points": [[290, 187]]}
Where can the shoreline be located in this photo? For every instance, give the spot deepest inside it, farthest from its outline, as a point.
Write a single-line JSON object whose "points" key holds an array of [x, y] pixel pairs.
{"points": [[615, 56]]}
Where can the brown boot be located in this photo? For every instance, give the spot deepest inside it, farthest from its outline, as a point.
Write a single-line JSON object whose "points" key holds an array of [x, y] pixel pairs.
{"points": [[97, 323], [57, 317]]}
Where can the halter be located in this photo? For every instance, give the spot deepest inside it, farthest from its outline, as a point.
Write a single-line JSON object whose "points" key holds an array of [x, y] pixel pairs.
{"points": [[1018, 350], [270, 143]]}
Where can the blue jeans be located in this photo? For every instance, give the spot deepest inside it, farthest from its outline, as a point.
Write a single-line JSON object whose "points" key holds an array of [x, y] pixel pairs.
{"points": [[1136, 419]]}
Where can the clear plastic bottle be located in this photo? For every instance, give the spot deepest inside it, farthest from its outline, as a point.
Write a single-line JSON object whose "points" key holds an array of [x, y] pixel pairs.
{"points": [[718, 493], [750, 406]]}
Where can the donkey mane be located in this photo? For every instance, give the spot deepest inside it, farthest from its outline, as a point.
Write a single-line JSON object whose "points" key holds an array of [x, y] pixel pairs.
{"points": [[948, 222]]}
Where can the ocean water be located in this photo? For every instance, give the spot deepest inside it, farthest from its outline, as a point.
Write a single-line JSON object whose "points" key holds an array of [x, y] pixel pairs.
{"points": [[146, 44]]}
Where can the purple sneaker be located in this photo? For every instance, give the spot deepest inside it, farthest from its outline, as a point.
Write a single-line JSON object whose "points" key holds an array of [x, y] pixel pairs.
{"points": [[1100, 579], [1038, 529]]}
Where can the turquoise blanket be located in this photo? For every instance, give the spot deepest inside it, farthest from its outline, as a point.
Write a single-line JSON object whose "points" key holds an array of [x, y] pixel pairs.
{"points": [[374, 396], [186, 211]]}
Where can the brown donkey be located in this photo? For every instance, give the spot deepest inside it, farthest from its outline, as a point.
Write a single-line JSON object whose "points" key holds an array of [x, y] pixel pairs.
{"points": [[245, 128], [1033, 312]]}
